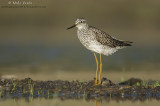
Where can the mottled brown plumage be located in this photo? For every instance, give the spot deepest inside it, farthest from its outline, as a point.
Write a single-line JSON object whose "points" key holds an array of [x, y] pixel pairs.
{"points": [[106, 39]]}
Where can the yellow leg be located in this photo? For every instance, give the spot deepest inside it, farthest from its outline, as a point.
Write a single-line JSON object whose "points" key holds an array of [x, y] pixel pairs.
{"points": [[96, 102], [97, 68], [100, 69], [99, 103]]}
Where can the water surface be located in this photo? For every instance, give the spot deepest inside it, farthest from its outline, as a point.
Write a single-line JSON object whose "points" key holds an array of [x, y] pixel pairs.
{"points": [[76, 102]]}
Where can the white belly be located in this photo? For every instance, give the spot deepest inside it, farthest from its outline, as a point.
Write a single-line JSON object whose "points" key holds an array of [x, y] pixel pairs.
{"points": [[102, 49]]}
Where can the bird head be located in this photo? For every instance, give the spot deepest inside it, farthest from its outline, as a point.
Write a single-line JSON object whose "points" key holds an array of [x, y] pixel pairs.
{"points": [[79, 23]]}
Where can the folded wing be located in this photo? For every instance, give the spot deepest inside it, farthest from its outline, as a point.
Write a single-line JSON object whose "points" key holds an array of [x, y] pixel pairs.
{"points": [[108, 40]]}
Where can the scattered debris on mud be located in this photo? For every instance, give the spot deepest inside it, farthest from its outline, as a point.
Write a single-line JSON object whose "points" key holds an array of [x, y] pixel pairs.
{"points": [[130, 89]]}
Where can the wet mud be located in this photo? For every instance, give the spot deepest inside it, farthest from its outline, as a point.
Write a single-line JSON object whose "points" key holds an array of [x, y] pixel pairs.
{"points": [[132, 89]]}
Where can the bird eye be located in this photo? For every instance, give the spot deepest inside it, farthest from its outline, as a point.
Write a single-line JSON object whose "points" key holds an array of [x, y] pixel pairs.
{"points": [[81, 21]]}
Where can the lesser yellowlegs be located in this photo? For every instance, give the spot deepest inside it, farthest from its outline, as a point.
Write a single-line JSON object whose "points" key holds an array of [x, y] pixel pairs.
{"points": [[98, 42]]}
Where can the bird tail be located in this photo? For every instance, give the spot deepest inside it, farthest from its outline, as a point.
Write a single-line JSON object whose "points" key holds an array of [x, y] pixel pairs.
{"points": [[125, 43]]}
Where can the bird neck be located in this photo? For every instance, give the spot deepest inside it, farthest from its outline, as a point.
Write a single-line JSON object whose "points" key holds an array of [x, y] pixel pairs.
{"points": [[83, 27]]}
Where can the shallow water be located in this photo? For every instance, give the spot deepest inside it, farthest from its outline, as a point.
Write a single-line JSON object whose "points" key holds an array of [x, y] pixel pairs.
{"points": [[81, 75], [75, 102]]}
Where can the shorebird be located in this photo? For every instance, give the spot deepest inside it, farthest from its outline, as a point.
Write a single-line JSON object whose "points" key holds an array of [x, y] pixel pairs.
{"points": [[97, 41]]}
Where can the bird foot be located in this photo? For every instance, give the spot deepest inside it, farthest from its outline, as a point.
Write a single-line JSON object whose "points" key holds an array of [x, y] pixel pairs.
{"points": [[97, 83]]}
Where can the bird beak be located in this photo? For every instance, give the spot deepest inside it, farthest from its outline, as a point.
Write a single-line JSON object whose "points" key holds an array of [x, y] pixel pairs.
{"points": [[71, 27]]}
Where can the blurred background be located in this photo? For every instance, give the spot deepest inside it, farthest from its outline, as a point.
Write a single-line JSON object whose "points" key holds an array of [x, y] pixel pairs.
{"points": [[34, 40]]}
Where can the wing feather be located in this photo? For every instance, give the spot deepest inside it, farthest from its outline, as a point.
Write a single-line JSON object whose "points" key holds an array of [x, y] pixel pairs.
{"points": [[106, 39]]}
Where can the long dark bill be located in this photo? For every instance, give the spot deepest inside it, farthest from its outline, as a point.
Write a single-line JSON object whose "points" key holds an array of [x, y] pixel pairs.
{"points": [[71, 27]]}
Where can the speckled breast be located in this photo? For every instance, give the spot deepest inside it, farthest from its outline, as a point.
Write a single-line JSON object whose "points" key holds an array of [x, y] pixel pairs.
{"points": [[88, 39]]}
